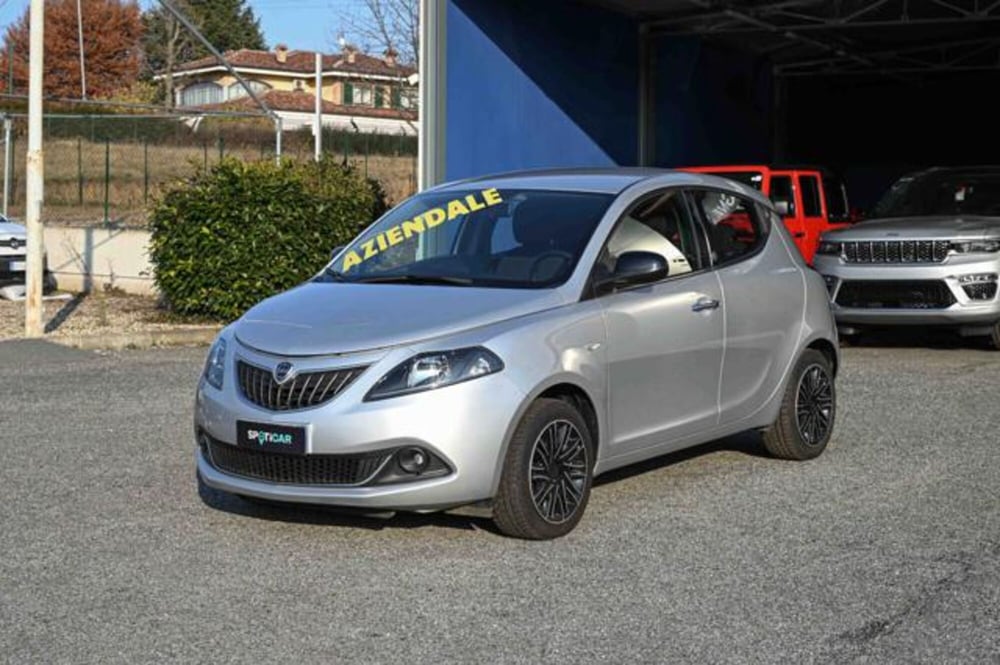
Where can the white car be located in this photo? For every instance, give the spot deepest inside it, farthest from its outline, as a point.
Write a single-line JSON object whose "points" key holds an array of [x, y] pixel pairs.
{"points": [[13, 239]]}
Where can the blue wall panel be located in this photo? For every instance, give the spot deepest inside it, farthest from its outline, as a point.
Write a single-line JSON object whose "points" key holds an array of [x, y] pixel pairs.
{"points": [[539, 83], [711, 106]]}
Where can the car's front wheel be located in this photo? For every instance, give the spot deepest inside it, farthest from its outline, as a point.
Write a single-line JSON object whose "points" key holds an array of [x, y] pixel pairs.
{"points": [[994, 339], [808, 409], [547, 474]]}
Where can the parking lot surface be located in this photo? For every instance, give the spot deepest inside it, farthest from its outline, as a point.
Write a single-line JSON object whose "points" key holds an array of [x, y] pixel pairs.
{"points": [[885, 549]]}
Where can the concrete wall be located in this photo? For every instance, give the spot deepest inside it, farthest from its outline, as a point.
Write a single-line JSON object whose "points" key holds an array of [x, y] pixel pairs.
{"points": [[538, 84], [83, 259]]}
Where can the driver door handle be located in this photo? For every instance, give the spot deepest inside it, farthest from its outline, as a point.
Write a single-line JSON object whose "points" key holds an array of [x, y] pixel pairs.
{"points": [[704, 303]]}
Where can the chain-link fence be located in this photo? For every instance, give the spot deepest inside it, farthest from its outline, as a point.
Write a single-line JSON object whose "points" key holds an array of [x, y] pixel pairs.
{"points": [[107, 169]]}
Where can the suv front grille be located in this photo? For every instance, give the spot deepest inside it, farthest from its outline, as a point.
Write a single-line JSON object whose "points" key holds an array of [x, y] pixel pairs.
{"points": [[304, 390], [295, 469], [895, 251], [895, 294]]}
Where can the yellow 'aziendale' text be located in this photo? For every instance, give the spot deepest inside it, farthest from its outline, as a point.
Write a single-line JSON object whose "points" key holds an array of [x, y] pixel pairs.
{"points": [[419, 224]]}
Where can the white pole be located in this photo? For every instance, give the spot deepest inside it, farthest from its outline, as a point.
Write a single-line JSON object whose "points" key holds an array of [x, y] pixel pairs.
{"points": [[7, 165], [79, 32], [277, 138], [35, 173], [318, 124]]}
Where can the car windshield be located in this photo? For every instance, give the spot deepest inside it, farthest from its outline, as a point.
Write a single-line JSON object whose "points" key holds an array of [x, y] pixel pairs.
{"points": [[749, 178], [942, 194], [512, 238]]}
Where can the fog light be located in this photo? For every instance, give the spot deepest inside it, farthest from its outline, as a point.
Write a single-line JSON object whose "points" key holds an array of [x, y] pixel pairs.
{"points": [[979, 278], [413, 460]]}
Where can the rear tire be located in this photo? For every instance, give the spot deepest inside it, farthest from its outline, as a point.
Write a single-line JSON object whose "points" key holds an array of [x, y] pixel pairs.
{"points": [[547, 474], [808, 410]]}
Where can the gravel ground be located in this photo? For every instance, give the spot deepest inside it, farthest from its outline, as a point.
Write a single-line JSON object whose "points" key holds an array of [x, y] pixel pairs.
{"points": [[885, 549], [95, 314]]}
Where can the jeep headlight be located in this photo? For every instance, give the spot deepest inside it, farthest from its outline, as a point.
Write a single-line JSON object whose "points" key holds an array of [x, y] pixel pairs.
{"points": [[215, 364], [976, 246], [428, 371], [832, 248]]}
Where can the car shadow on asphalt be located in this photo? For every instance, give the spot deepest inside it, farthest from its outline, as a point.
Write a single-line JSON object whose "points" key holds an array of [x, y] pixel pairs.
{"points": [[336, 516], [915, 337], [748, 443]]}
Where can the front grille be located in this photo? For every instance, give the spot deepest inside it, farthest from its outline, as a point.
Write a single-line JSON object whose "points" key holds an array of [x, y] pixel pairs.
{"points": [[895, 251], [295, 469], [895, 294], [304, 390], [981, 290]]}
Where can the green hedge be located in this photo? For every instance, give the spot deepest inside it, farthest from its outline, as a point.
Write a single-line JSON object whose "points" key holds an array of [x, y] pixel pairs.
{"points": [[228, 238]]}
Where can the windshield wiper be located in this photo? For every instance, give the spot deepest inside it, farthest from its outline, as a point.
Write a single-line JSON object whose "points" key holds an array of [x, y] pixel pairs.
{"points": [[415, 279]]}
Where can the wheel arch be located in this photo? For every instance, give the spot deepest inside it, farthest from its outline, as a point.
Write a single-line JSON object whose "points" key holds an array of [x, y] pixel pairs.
{"points": [[568, 388], [828, 349]]}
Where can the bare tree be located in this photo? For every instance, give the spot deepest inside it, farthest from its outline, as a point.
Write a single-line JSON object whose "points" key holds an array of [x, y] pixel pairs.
{"points": [[388, 24]]}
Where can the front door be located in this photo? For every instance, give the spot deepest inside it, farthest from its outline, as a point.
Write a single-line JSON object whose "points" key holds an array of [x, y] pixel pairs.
{"points": [[665, 340]]}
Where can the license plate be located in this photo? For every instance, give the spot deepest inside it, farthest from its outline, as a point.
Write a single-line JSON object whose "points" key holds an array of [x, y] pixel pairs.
{"points": [[271, 438], [7, 265]]}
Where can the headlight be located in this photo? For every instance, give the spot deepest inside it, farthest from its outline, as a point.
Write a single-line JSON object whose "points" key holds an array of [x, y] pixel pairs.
{"points": [[215, 364], [428, 371], [829, 248], [976, 246]]}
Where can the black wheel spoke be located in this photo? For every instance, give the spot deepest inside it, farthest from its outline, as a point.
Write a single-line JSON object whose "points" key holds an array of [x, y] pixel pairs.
{"points": [[558, 471], [814, 405]]}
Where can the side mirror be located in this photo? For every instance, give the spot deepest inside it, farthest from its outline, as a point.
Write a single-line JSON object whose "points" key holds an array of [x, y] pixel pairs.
{"points": [[336, 250], [784, 208], [633, 268]]}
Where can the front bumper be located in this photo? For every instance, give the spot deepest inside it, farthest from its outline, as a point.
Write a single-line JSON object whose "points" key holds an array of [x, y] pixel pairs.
{"points": [[959, 310], [466, 425]]}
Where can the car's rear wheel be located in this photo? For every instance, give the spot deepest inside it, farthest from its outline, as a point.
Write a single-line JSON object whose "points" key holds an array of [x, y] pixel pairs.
{"points": [[808, 410], [547, 474]]}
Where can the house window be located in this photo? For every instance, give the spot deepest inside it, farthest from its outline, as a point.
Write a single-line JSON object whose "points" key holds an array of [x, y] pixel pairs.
{"points": [[408, 99], [202, 93], [357, 94], [236, 90]]}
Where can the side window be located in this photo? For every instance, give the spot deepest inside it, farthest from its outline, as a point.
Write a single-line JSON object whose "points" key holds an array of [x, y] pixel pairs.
{"points": [[811, 206], [836, 199], [734, 229], [783, 195], [662, 223]]}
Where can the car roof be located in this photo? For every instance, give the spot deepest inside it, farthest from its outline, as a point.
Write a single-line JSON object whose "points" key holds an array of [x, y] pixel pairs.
{"points": [[603, 180], [986, 169]]}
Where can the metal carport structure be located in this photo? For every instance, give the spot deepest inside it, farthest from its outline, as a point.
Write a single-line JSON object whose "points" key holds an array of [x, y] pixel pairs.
{"points": [[513, 84]]}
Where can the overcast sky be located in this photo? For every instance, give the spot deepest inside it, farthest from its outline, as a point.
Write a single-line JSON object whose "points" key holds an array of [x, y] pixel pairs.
{"points": [[302, 24]]}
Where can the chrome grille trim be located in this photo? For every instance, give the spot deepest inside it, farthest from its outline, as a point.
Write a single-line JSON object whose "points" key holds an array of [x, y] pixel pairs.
{"points": [[257, 385], [895, 251]]}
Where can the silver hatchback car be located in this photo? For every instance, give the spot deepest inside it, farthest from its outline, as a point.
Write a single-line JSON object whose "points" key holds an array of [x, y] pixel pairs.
{"points": [[501, 341]]}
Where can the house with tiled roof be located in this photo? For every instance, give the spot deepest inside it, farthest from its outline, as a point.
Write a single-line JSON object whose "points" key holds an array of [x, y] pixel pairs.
{"points": [[359, 91]]}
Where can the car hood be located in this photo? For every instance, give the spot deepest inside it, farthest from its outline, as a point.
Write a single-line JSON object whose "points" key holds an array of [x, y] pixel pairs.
{"points": [[919, 228], [325, 318], [11, 229]]}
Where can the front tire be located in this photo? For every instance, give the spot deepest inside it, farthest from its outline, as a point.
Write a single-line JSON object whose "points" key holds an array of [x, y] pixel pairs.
{"points": [[547, 474], [808, 410]]}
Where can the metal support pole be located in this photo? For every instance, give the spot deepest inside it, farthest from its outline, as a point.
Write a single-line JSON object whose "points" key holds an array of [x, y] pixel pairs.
{"points": [[79, 32], [318, 124], [79, 171], [33, 326], [145, 171], [7, 162], [107, 180], [277, 138]]}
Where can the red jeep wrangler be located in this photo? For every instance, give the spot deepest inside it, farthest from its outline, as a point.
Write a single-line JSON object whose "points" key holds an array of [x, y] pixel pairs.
{"points": [[811, 200]]}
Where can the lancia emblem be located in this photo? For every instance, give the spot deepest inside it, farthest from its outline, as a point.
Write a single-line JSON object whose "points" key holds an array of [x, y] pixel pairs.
{"points": [[283, 372], [14, 243]]}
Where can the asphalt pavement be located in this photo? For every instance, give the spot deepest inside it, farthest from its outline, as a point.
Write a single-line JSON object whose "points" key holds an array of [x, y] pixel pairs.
{"points": [[885, 549]]}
